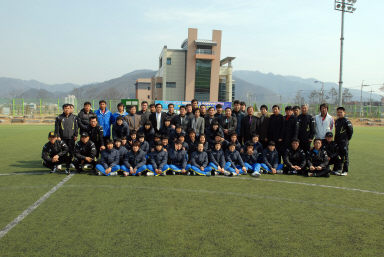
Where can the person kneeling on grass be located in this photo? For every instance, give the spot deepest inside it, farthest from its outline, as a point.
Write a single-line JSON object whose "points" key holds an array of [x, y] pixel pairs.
{"points": [[250, 158], [178, 159], [84, 154], [333, 151], [134, 161], [157, 161], [217, 160], [318, 161], [234, 164], [109, 161], [199, 162], [54, 153], [271, 160], [294, 159]]}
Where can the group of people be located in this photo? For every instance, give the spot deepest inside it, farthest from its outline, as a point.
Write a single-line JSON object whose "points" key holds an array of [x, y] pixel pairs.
{"points": [[199, 141]]}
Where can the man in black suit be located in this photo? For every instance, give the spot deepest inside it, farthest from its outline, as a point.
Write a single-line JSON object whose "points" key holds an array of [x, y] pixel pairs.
{"points": [[182, 119], [263, 121], [157, 118], [248, 126], [228, 123]]}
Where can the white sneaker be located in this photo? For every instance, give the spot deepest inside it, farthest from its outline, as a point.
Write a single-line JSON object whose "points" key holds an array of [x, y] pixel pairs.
{"points": [[150, 174], [59, 167], [255, 174], [279, 171], [344, 173], [113, 173], [72, 167], [87, 167], [98, 173], [337, 172], [227, 173]]}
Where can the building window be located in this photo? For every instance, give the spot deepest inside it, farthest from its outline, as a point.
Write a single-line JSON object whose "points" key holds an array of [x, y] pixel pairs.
{"points": [[149, 97], [171, 85], [223, 92], [159, 85], [169, 61], [160, 62], [149, 88], [202, 79]]}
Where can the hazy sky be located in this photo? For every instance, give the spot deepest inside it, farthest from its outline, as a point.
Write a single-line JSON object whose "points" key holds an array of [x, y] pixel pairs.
{"points": [[89, 41]]}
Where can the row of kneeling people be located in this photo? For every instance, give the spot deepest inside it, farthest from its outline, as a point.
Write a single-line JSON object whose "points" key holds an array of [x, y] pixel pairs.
{"points": [[174, 158]]}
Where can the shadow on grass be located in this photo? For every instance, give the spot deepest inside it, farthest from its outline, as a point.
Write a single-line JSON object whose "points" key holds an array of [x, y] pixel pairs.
{"points": [[36, 165]]}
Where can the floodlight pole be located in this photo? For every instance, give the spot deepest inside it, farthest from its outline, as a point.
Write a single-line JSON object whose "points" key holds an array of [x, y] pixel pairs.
{"points": [[341, 56]]}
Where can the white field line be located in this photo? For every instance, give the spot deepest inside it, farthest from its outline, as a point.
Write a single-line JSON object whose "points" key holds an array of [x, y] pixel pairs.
{"points": [[24, 173], [220, 193], [34, 206]]}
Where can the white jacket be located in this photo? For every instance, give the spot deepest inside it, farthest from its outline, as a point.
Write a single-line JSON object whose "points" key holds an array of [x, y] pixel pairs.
{"points": [[323, 126]]}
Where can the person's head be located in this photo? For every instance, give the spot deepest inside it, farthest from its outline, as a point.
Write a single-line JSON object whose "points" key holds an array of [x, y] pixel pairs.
{"points": [[120, 107], [211, 111], [249, 148], [255, 138], [159, 108], [304, 109], [218, 138], [250, 110], [329, 136], [264, 109], [232, 147], [52, 137], [233, 137], [171, 108], [66, 109], [192, 134], [102, 105], [219, 108], [317, 143], [133, 110], [109, 144], [84, 137], [182, 110], [136, 147], [196, 112], [119, 120], [217, 146], [200, 147], [157, 137], [178, 145], [93, 121], [144, 106], [323, 109], [117, 142], [295, 143], [228, 112], [340, 112], [71, 108], [123, 140], [243, 106], [271, 146], [236, 105], [87, 106], [203, 109], [202, 138], [288, 110], [178, 129], [189, 108], [158, 146], [215, 125], [152, 108], [164, 140], [276, 109], [167, 121], [141, 137], [181, 138], [148, 125], [133, 134], [194, 104], [296, 110]]}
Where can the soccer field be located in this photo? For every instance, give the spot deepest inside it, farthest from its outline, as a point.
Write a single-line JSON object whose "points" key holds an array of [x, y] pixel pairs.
{"points": [[274, 215]]}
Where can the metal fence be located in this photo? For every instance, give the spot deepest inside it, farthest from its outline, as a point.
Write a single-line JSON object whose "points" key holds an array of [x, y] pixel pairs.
{"points": [[52, 107]]}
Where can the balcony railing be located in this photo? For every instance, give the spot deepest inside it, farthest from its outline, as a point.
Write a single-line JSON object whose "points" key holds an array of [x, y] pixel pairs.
{"points": [[204, 51]]}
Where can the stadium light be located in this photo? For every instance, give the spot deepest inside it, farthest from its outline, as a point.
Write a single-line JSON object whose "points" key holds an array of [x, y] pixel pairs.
{"points": [[343, 6]]}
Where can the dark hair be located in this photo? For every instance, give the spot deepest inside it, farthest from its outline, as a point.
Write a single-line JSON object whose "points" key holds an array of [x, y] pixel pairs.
{"points": [[193, 100], [140, 134], [158, 135], [255, 135], [120, 104], [178, 126], [132, 106], [158, 105], [182, 107], [66, 105], [325, 105], [164, 137], [340, 108], [187, 105], [295, 140], [236, 102], [133, 131], [152, 105], [317, 139], [232, 144], [196, 110], [211, 108], [171, 105], [102, 101], [108, 142], [144, 102], [288, 108], [217, 143], [242, 103], [219, 106], [136, 143], [275, 105], [92, 118], [233, 134], [228, 108], [296, 107], [168, 119], [87, 103], [119, 118], [201, 105], [148, 123], [123, 138], [271, 143], [191, 131], [117, 140], [264, 106], [249, 107], [177, 142]]}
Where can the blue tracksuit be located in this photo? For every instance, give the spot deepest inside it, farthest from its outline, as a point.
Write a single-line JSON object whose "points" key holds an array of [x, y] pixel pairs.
{"points": [[105, 120], [233, 161], [117, 114], [200, 159], [108, 159], [216, 158], [135, 160], [178, 160], [158, 160], [271, 160], [251, 161]]}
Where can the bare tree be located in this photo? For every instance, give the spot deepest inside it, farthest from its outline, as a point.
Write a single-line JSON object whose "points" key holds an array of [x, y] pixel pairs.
{"points": [[299, 99], [347, 96], [314, 97], [333, 95]]}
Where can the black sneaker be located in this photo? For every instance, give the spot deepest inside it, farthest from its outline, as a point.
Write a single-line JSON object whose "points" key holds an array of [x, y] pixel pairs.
{"points": [[54, 170]]}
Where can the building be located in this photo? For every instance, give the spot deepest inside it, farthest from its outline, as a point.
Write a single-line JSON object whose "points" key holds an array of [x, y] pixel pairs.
{"points": [[194, 71], [70, 99]]}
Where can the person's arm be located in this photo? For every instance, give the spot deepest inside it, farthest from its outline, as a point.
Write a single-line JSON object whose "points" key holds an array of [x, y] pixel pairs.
{"points": [[325, 161], [163, 160], [126, 160], [303, 159], [286, 159], [193, 160], [103, 161], [349, 130], [184, 163], [266, 161], [116, 159], [312, 128], [206, 161], [77, 153], [141, 160], [45, 155], [81, 124], [296, 129], [152, 160], [114, 131], [213, 160], [93, 151], [57, 126], [240, 159], [101, 135], [75, 126], [229, 159], [221, 160], [64, 149], [202, 128]]}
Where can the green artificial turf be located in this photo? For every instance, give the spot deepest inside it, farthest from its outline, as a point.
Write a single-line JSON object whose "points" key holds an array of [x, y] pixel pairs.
{"points": [[191, 216]]}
